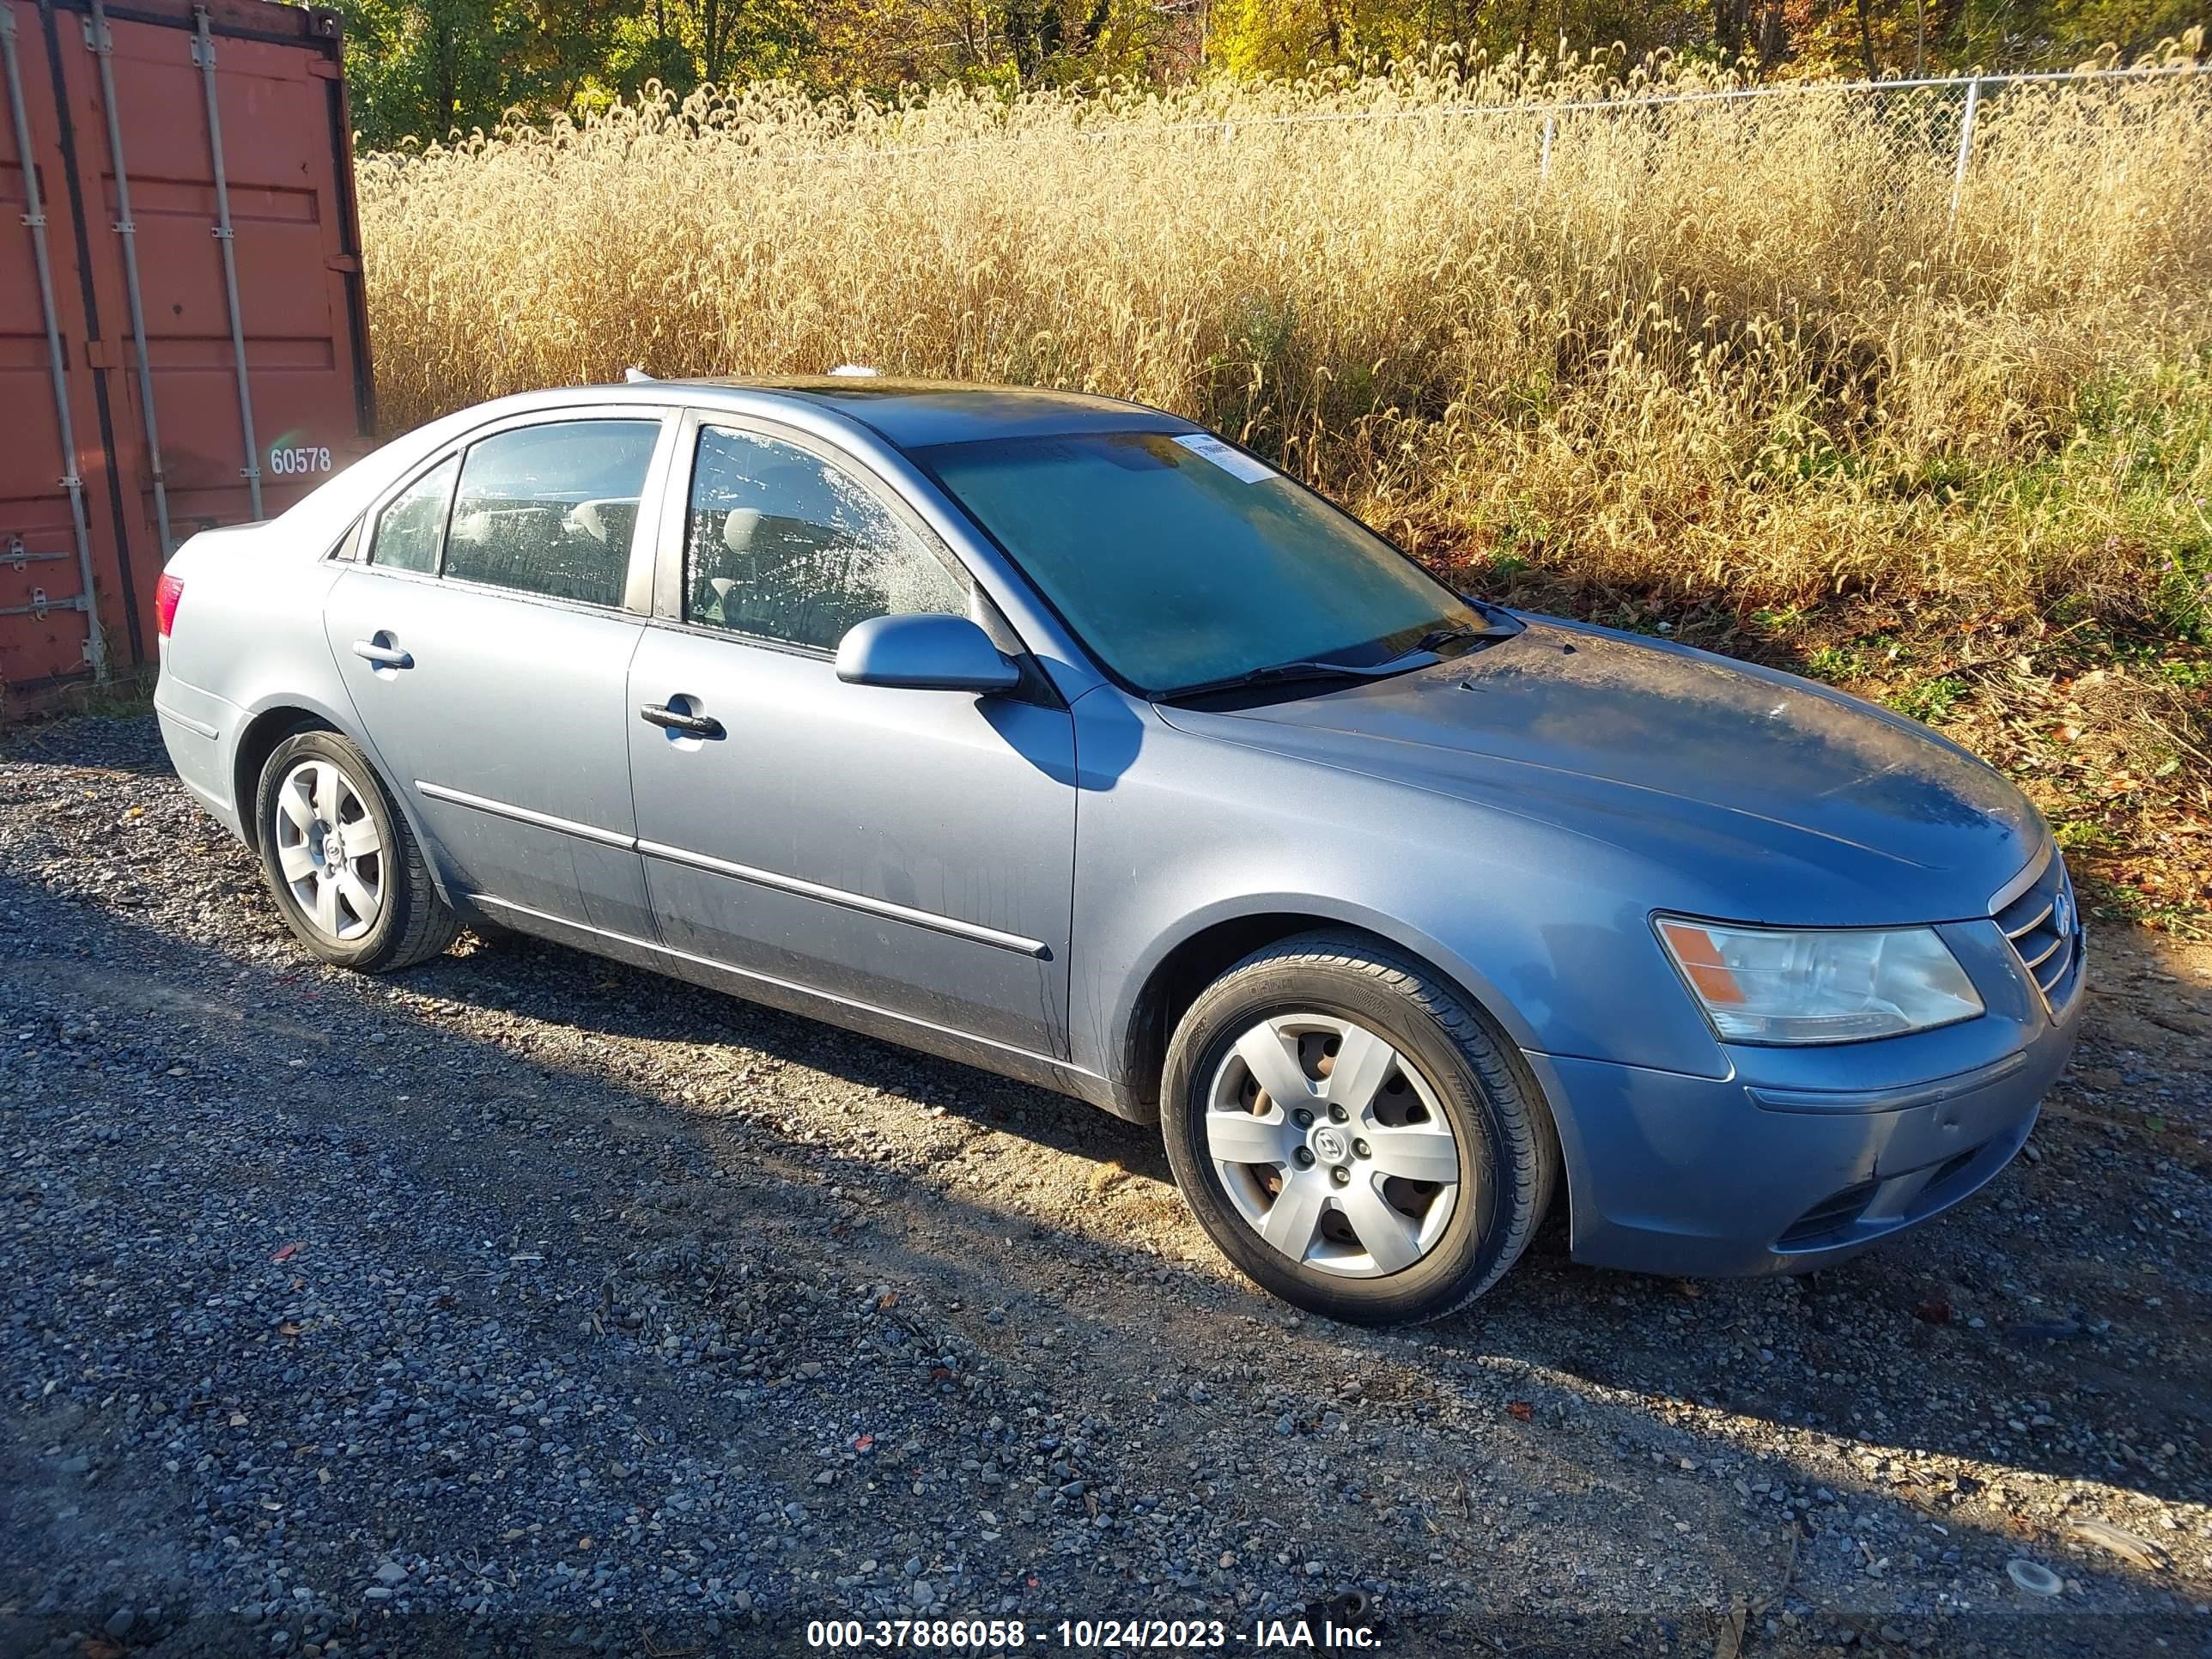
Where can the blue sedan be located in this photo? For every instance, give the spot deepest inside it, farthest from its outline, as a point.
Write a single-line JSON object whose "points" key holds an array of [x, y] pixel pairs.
{"points": [[1058, 736]]}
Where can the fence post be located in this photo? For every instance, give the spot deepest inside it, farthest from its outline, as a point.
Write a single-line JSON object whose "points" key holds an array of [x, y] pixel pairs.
{"points": [[1965, 144], [1544, 157]]}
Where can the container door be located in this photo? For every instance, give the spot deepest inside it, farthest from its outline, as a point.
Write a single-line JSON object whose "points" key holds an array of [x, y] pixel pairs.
{"points": [[289, 191], [255, 399], [45, 624]]}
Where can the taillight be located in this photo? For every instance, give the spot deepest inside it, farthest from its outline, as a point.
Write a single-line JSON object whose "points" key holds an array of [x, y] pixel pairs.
{"points": [[165, 602]]}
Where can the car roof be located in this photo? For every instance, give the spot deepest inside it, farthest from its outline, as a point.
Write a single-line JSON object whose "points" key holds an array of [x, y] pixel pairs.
{"points": [[915, 414]]}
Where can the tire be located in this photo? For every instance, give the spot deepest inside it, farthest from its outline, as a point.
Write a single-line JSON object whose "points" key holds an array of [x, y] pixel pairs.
{"points": [[370, 905], [1357, 1198]]}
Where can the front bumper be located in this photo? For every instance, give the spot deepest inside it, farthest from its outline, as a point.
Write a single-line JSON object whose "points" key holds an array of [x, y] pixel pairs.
{"points": [[1797, 1159]]}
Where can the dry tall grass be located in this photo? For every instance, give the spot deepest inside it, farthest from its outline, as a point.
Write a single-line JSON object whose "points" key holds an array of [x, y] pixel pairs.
{"points": [[1737, 350]]}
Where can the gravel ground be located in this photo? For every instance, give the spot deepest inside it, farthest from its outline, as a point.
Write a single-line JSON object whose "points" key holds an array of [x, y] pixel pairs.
{"points": [[527, 1302]]}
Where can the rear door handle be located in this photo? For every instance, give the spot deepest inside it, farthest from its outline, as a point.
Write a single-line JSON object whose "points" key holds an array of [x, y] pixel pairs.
{"points": [[383, 656], [693, 725]]}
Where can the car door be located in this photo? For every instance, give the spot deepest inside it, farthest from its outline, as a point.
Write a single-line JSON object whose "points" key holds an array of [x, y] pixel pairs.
{"points": [[909, 851], [485, 632]]}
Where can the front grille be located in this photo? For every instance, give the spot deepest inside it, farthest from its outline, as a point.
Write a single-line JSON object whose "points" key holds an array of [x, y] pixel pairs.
{"points": [[2044, 927]]}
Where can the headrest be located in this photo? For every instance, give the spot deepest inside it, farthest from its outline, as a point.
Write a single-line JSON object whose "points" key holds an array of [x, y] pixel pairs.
{"points": [[739, 528], [607, 520]]}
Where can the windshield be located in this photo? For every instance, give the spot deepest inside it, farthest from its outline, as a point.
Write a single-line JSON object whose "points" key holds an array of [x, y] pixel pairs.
{"points": [[1181, 562]]}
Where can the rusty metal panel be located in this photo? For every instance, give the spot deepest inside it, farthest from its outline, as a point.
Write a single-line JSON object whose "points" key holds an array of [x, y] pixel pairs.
{"points": [[47, 540], [285, 167]]}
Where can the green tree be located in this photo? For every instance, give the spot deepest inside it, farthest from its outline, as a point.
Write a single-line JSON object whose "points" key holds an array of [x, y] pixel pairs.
{"points": [[686, 43], [879, 46], [420, 69], [1876, 38]]}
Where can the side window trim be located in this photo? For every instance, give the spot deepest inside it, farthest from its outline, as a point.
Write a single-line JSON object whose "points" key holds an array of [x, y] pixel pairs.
{"points": [[350, 548], [669, 572], [666, 598], [660, 487]]}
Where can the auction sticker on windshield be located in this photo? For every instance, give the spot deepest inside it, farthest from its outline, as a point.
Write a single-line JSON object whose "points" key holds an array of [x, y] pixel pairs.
{"points": [[1235, 462]]}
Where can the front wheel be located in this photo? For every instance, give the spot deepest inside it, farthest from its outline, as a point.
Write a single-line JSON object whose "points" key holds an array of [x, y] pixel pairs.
{"points": [[346, 871], [1351, 1134]]}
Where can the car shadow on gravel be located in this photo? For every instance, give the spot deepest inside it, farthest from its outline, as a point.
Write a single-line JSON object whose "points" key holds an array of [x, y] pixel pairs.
{"points": [[662, 1172], [1869, 1350], [1625, 1334], [524, 977]]}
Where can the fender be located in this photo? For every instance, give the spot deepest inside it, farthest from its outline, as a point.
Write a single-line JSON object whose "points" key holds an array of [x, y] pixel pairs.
{"points": [[1479, 987]]}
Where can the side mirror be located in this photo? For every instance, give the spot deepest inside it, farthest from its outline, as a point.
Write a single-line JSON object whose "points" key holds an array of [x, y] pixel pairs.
{"points": [[923, 652]]}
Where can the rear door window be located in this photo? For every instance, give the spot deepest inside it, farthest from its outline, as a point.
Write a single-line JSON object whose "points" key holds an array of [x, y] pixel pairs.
{"points": [[551, 509]]}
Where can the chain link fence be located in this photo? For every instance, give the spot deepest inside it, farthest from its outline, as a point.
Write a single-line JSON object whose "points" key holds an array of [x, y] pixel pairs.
{"points": [[1914, 142], [1925, 131]]}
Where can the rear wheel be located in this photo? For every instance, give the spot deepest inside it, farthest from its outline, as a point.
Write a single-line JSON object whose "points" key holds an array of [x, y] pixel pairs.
{"points": [[1351, 1134], [346, 871]]}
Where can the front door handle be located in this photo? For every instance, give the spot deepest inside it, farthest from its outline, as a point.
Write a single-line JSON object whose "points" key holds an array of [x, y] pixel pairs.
{"points": [[383, 656], [692, 726]]}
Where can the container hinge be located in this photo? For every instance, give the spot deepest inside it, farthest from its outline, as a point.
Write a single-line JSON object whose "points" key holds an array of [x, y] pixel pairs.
{"points": [[325, 68]]}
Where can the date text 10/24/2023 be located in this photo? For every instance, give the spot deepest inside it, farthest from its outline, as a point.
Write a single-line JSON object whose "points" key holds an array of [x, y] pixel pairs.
{"points": [[1089, 1635]]}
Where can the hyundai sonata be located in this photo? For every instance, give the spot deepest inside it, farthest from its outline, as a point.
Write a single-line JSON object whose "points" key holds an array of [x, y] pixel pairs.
{"points": [[1060, 737]]}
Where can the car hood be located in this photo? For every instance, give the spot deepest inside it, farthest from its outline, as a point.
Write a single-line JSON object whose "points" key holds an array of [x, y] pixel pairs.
{"points": [[1757, 795]]}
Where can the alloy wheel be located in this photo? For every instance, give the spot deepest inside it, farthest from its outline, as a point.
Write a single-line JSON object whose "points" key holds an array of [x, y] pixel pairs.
{"points": [[330, 850], [1332, 1146]]}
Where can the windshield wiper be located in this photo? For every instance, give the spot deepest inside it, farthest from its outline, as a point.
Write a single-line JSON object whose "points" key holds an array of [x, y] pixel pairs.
{"points": [[1273, 674], [1437, 638], [1317, 669], [1500, 624], [1431, 644]]}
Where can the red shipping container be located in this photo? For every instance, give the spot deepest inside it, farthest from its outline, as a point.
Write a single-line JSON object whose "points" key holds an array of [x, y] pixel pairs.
{"points": [[183, 341]]}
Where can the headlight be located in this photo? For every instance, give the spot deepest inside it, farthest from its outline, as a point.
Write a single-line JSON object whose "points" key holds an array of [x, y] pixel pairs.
{"points": [[1772, 985]]}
